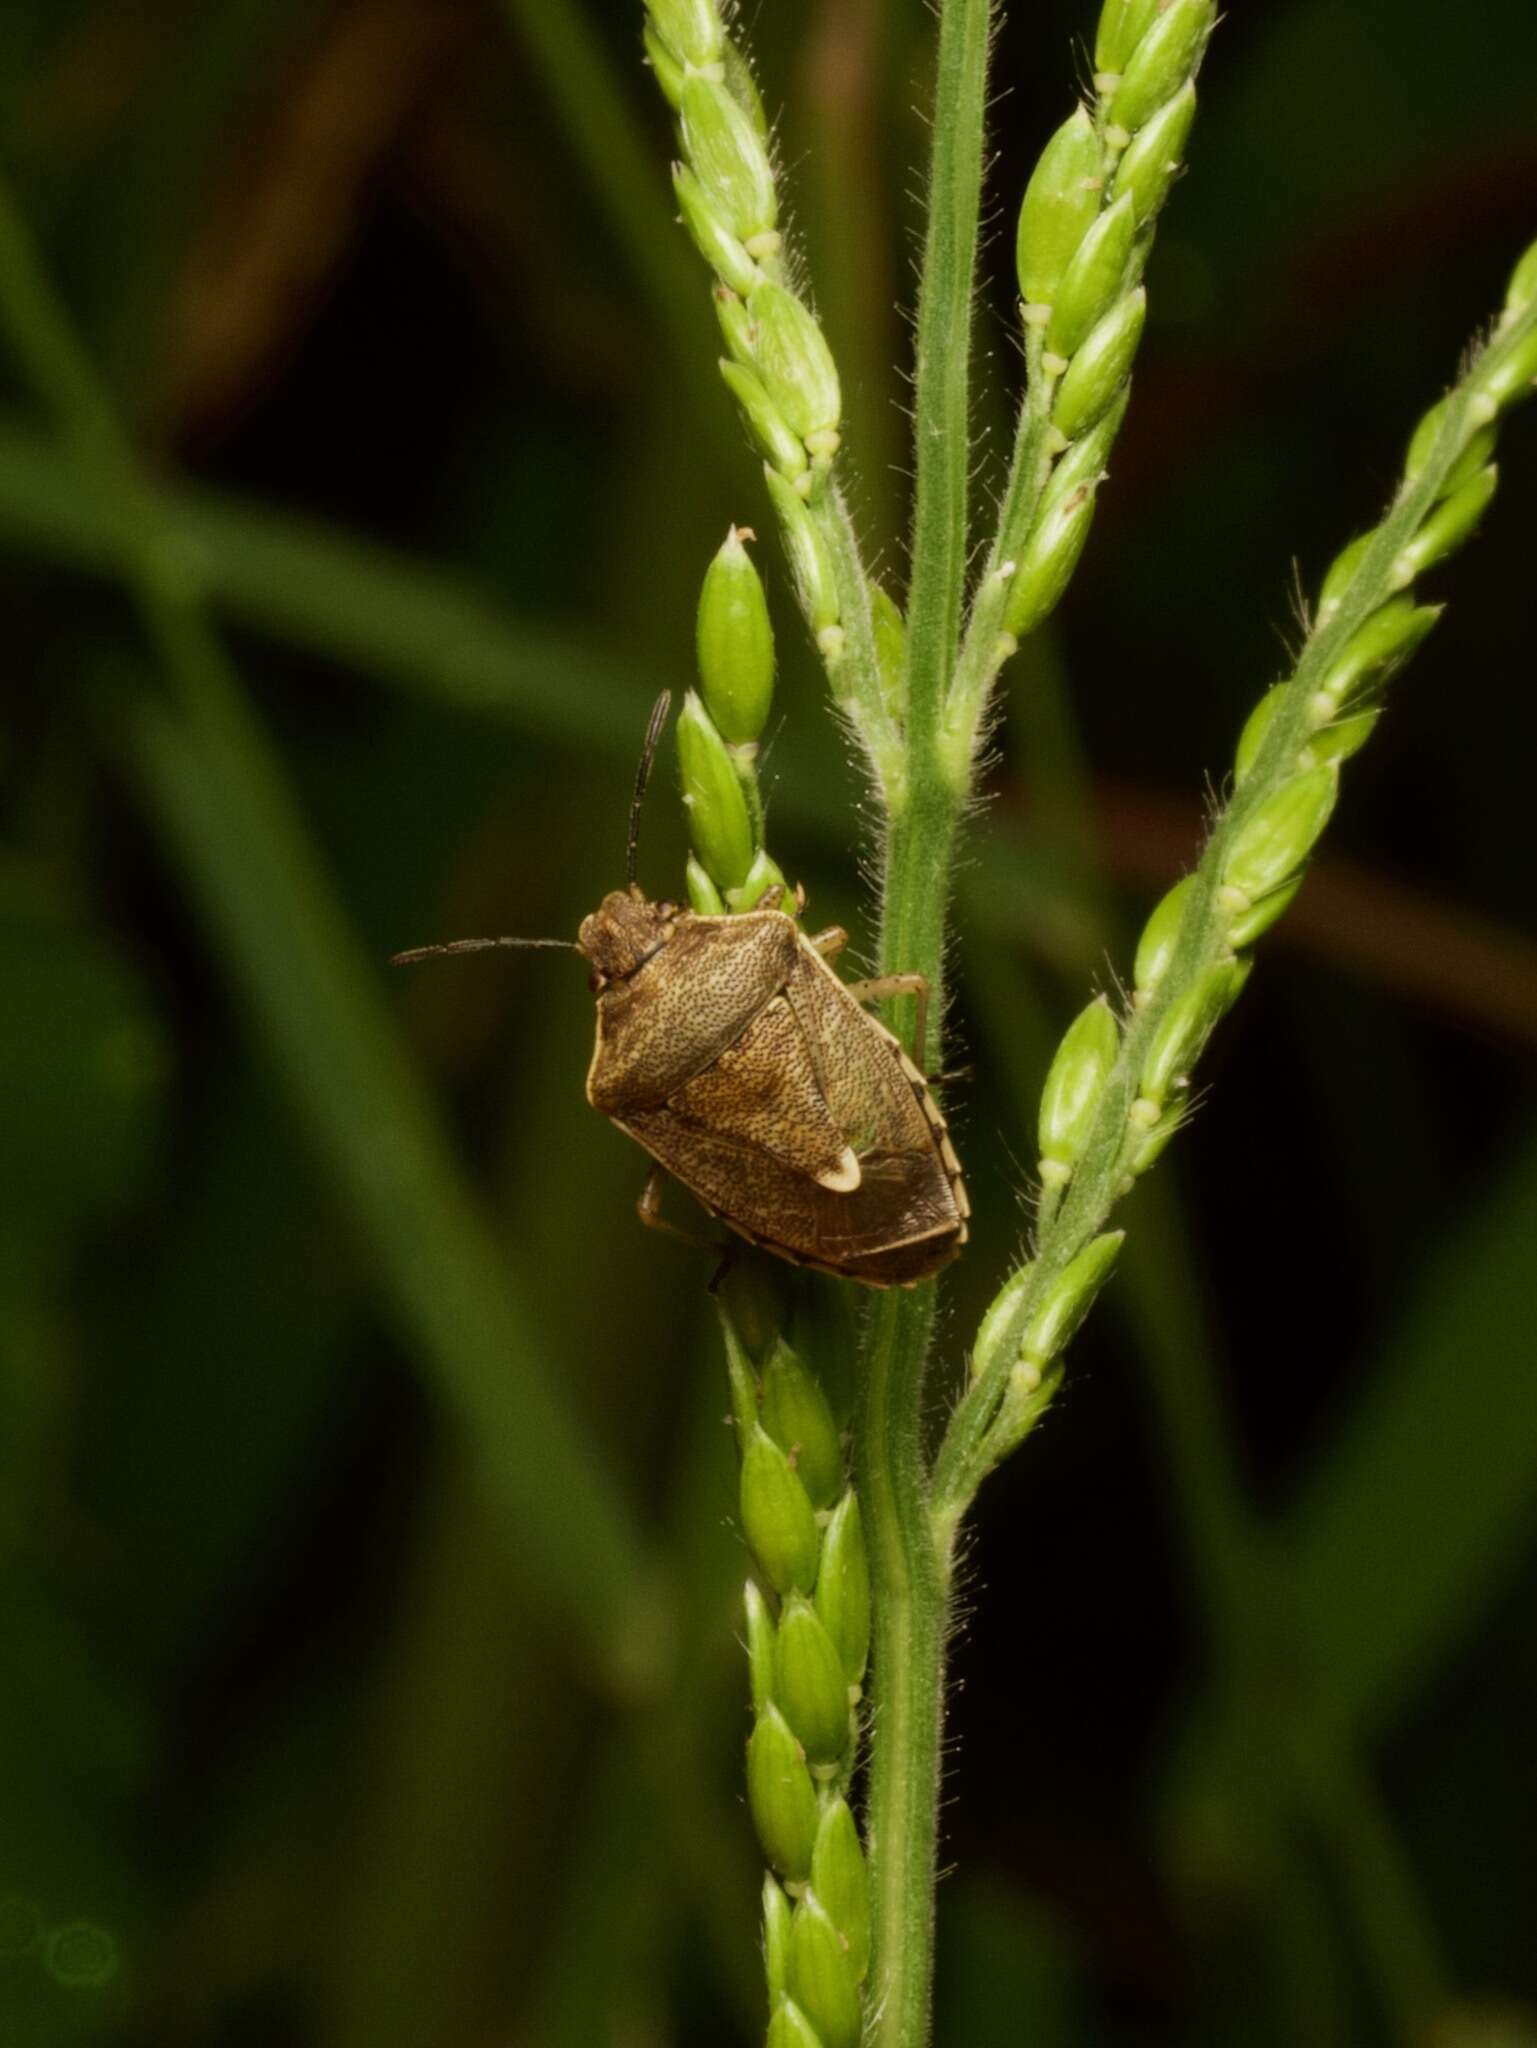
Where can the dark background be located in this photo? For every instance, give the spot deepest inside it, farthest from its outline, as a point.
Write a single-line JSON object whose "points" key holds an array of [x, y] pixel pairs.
{"points": [[315, 1728]]}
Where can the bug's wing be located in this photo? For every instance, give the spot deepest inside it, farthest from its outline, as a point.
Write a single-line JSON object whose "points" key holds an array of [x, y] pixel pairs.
{"points": [[872, 1094], [765, 1090], [886, 1232]]}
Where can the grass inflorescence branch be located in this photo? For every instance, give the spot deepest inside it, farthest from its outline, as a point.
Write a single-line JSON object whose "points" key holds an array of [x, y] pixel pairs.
{"points": [[1119, 1087], [806, 1608], [777, 364], [1085, 232]]}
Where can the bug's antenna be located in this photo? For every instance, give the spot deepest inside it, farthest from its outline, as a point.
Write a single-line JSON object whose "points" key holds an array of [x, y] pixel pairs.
{"points": [[414, 953], [659, 711]]}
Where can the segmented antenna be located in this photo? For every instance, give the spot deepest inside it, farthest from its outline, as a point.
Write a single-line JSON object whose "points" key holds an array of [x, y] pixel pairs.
{"points": [[659, 711], [415, 953]]}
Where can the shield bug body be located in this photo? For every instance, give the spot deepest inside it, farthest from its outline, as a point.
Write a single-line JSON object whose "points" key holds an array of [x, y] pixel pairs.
{"points": [[729, 1049]]}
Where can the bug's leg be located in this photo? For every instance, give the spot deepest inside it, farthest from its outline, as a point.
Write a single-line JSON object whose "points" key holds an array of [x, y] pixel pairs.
{"points": [[883, 985], [649, 1210], [730, 1251], [829, 943]]}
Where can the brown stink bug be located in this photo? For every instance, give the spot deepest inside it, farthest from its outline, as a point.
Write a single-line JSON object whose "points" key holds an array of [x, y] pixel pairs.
{"points": [[732, 1052]]}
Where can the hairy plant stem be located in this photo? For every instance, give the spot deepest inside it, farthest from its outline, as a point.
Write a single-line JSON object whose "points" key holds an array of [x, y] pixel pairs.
{"points": [[910, 1585], [907, 1705]]}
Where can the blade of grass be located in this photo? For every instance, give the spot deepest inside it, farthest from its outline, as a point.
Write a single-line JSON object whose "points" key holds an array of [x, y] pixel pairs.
{"points": [[220, 799], [1425, 1503]]}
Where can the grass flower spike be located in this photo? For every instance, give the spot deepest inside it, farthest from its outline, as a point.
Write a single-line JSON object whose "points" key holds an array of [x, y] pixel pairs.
{"points": [[807, 1620], [778, 365]]}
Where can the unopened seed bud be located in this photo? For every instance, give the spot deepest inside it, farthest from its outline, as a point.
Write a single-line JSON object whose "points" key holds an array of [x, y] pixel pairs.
{"points": [[1149, 1143], [1508, 374], [781, 1795], [1165, 55], [843, 1587], [1523, 282], [1253, 920], [1274, 841], [890, 647], [1075, 1082], [735, 644], [720, 249], [703, 895], [1342, 737], [1160, 936], [1183, 1029], [1030, 1392], [1452, 522], [1472, 458], [1377, 650], [811, 568], [737, 330], [1256, 730], [761, 1645], [1153, 158], [1069, 1299], [792, 357], [744, 89], [809, 1686], [839, 1879], [1059, 206], [669, 72], [992, 1340], [777, 1517], [1122, 24], [783, 449], [690, 28], [718, 822], [1341, 573], [1101, 366], [821, 1981], [1047, 560], [776, 1939], [797, 1417], [728, 156], [790, 2028], [1092, 281], [765, 876], [1083, 460]]}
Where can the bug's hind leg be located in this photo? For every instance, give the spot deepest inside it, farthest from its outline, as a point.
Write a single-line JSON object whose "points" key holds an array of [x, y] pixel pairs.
{"points": [[649, 1209], [916, 985]]}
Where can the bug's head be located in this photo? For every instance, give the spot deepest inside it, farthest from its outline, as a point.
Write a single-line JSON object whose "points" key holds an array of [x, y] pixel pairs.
{"points": [[623, 933]]}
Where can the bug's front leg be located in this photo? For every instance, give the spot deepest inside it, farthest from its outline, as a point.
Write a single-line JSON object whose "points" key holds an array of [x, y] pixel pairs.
{"points": [[829, 943], [649, 1209], [880, 986]]}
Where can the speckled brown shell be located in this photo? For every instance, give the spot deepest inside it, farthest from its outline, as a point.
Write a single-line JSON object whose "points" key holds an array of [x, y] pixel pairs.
{"points": [[739, 1060]]}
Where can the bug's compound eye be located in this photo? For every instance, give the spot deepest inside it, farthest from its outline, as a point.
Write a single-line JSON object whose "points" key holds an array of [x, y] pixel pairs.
{"points": [[595, 981]]}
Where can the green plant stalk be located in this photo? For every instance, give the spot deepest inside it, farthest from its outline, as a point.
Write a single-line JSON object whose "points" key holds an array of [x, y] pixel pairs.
{"points": [[966, 1455], [909, 1585], [942, 380], [910, 1615], [220, 798]]}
